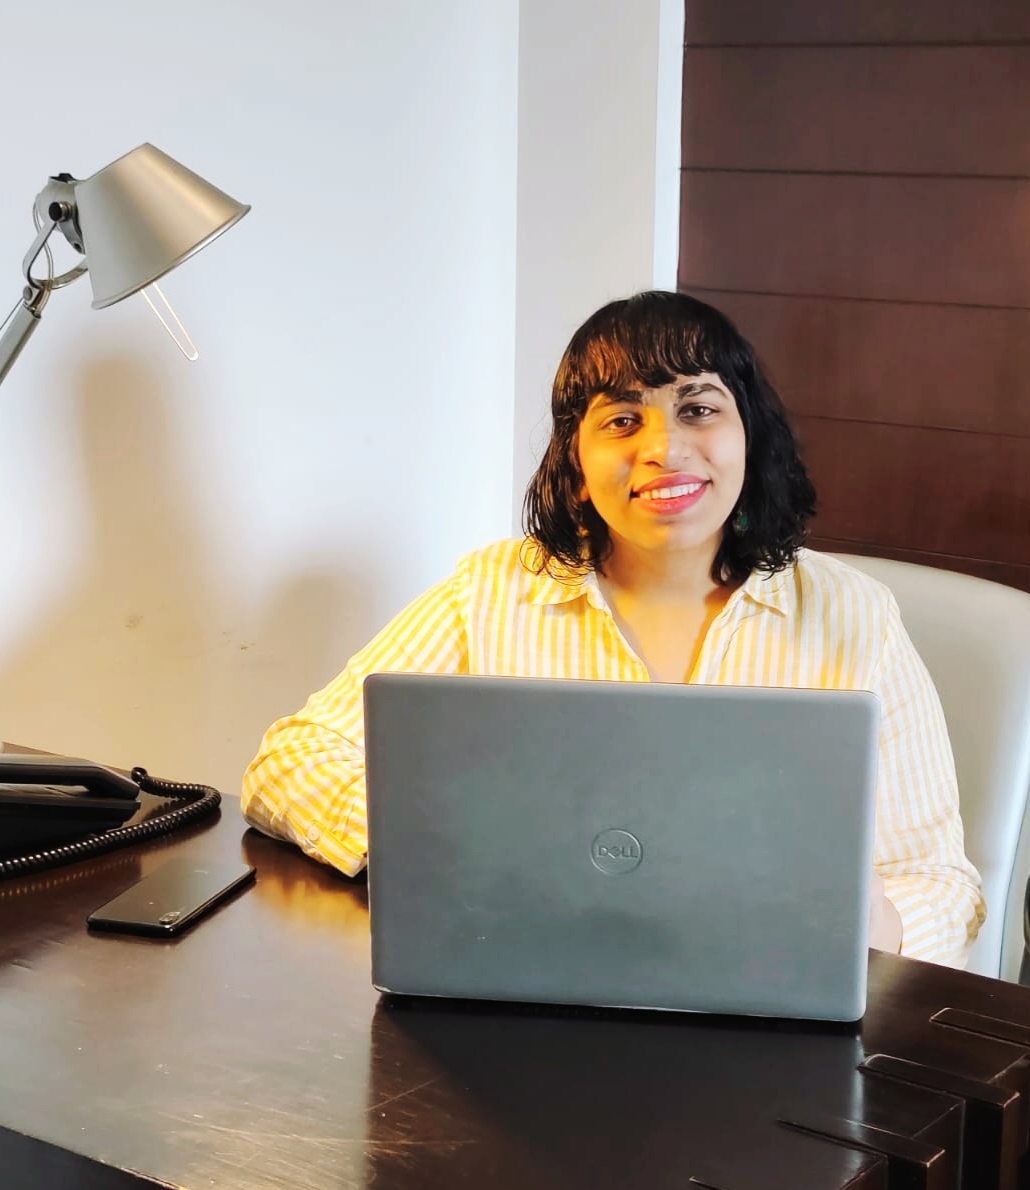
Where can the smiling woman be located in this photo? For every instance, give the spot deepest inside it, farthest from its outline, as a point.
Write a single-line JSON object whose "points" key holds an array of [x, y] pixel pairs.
{"points": [[671, 471], [664, 534]]}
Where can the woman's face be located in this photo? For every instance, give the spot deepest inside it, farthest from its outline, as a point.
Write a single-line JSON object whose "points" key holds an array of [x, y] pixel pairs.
{"points": [[663, 467]]}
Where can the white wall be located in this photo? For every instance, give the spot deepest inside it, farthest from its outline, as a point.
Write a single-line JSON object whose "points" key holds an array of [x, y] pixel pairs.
{"points": [[189, 549], [598, 185]]}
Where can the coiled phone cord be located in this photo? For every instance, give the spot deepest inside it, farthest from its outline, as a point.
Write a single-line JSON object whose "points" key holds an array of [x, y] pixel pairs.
{"points": [[201, 800]]}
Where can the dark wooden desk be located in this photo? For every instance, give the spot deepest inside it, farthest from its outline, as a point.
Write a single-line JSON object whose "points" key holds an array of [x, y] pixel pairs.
{"points": [[253, 1053]]}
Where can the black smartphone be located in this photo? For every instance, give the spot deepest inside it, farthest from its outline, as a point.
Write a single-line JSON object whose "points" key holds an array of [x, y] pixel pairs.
{"points": [[172, 897]]}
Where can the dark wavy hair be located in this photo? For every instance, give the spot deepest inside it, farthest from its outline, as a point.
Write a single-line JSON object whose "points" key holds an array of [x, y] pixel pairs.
{"points": [[650, 339]]}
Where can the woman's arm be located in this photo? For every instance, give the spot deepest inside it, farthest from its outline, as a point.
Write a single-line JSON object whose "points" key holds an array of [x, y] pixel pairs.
{"points": [[885, 927], [919, 849], [307, 782]]}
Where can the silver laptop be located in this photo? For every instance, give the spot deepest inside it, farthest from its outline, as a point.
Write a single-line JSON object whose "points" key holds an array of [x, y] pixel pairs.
{"points": [[696, 848]]}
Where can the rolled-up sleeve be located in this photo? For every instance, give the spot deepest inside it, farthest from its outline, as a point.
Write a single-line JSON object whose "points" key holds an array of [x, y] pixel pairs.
{"points": [[307, 782], [920, 851]]}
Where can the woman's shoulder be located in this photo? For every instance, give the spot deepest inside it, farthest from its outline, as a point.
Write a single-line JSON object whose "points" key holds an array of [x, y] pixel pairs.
{"points": [[507, 554], [837, 578], [521, 567], [510, 559]]}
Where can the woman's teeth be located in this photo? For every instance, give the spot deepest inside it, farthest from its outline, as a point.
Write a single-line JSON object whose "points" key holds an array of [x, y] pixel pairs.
{"points": [[681, 489]]}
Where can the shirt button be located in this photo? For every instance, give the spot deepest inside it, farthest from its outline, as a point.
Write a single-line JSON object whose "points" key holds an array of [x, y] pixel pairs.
{"points": [[313, 834]]}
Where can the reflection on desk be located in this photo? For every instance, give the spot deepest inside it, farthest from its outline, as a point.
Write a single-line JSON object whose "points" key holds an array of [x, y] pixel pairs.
{"points": [[253, 1053]]}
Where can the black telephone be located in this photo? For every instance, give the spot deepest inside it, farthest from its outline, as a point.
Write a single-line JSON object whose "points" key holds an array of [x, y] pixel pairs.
{"points": [[56, 809], [45, 800]]}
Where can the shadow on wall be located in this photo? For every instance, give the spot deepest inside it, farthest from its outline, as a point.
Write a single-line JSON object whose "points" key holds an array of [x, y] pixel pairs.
{"points": [[142, 658], [110, 667]]}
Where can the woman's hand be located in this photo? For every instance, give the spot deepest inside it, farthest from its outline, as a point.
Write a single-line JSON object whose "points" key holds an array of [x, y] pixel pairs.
{"points": [[884, 921]]}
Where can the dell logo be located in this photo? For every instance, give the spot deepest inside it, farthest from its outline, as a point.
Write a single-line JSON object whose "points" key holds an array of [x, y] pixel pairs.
{"points": [[619, 851], [615, 852]]}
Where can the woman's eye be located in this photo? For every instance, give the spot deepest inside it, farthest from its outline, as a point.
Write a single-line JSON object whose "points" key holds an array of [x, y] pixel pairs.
{"points": [[621, 421], [696, 412]]}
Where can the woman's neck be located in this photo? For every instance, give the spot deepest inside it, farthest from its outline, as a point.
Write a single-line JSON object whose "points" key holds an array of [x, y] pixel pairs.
{"points": [[664, 606], [660, 578]]}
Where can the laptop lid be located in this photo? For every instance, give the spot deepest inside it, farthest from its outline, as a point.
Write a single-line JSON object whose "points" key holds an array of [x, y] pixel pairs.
{"points": [[700, 848]]}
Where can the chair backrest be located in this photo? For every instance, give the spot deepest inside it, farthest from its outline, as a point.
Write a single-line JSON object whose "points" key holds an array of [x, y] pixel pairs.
{"points": [[974, 637]]}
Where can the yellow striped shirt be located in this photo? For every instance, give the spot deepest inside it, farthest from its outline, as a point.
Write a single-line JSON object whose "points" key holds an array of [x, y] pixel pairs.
{"points": [[819, 624]]}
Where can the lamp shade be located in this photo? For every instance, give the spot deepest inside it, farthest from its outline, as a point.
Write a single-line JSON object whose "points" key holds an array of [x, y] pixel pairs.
{"points": [[141, 216]]}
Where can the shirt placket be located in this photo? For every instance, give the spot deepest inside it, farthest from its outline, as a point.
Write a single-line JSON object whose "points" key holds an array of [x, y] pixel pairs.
{"points": [[627, 665], [719, 636]]}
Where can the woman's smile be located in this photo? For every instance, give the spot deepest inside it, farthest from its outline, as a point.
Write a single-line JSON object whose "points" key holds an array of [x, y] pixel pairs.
{"points": [[670, 494]]}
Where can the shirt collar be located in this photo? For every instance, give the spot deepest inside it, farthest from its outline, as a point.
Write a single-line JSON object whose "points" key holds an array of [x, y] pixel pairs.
{"points": [[770, 590], [558, 583], [562, 584]]}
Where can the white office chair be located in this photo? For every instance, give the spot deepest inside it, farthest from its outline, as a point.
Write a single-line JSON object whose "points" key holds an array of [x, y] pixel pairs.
{"points": [[974, 636]]}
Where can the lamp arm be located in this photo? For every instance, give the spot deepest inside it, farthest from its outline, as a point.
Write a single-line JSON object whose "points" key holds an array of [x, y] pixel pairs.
{"points": [[16, 331], [18, 328]]}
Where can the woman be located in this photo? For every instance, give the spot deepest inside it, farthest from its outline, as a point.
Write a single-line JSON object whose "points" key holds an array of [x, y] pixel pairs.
{"points": [[664, 543]]}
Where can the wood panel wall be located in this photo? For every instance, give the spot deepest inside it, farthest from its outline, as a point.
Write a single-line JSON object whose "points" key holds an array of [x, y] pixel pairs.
{"points": [[856, 196]]}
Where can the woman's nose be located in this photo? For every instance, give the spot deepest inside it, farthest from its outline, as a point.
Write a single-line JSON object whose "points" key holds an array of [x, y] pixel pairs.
{"points": [[663, 442]]}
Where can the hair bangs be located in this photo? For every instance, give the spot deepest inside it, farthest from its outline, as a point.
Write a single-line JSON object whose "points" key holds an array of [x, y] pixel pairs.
{"points": [[644, 341]]}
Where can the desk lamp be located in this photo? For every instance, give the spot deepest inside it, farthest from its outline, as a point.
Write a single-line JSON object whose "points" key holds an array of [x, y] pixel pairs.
{"points": [[134, 221]]}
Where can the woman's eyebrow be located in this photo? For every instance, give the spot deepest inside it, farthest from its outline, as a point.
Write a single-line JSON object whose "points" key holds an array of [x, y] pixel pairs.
{"points": [[694, 387], [624, 396], [635, 396]]}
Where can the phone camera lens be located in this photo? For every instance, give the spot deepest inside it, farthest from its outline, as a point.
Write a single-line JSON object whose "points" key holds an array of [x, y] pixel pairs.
{"points": [[169, 918]]}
